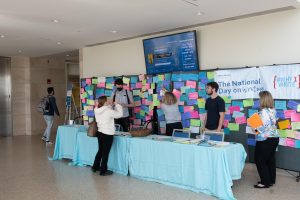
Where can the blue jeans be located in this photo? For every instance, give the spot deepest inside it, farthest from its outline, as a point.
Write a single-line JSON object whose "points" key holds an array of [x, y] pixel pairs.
{"points": [[49, 122]]}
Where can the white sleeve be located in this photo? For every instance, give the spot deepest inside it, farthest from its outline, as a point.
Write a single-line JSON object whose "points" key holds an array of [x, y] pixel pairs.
{"points": [[118, 112]]}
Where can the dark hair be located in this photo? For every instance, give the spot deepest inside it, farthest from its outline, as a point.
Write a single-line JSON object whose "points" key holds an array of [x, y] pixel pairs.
{"points": [[50, 90], [101, 101], [118, 81], [213, 85]]}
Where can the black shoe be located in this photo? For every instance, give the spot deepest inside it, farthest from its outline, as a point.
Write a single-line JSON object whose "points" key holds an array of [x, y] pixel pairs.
{"points": [[260, 186], [94, 170], [107, 173]]}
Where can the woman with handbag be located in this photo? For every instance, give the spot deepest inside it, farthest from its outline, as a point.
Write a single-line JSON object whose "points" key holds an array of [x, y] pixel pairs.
{"points": [[105, 115]]}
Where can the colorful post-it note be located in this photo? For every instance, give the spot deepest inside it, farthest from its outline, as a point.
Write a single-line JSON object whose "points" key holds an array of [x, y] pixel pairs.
{"points": [[233, 127], [285, 124], [248, 102], [195, 122], [254, 121], [210, 75], [295, 117], [280, 105], [295, 125]]}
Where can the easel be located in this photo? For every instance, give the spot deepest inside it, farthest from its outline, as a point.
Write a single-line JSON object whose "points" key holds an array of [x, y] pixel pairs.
{"points": [[69, 119]]}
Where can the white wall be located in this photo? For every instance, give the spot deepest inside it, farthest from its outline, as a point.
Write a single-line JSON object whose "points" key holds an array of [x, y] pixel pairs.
{"points": [[255, 41]]}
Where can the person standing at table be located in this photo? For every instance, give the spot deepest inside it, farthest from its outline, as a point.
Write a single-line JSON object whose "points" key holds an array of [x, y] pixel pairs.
{"points": [[125, 99], [169, 106], [267, 140], [105, 116], [49, 115], [215, 108]]}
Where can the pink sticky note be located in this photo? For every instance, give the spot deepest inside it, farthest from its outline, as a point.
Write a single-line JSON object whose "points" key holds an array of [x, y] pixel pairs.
{"points": [[137, 121], [188, 108], [148, 118], [137, 109], [288, 113], [202, 116], [82, 90], [176, 93], [148, 86], [83, 100], [289, 142], [194, 114], [137, 103], [241, 120], [141, 77], [297, 135], [150, 113], [88, 81], [139, 85], [193, 95], [295, 117], [225, 123], [101, 85], [234, 108], [191, 84]]}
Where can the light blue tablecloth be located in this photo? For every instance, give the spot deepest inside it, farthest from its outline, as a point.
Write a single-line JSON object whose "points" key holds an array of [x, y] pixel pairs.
{"points": [[202, 169], [65, 142], [87, 147]]}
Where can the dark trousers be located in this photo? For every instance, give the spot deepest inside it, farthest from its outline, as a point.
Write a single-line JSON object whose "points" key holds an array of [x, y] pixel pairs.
{"points": [[171, 126], [124, 122], [265, 160], [101, 158]]}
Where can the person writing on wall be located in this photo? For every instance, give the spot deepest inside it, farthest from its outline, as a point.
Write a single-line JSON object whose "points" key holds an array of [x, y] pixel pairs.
{"points": [[125, 99], [105, 116], [215, 108], [169, 106], [267, 140]]}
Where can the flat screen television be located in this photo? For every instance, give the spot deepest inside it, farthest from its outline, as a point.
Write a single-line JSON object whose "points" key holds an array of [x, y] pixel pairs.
{"points": [[177, 52]]}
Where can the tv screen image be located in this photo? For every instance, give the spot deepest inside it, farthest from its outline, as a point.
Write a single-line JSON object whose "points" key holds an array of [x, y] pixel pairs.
{"points": [[171, 53]]}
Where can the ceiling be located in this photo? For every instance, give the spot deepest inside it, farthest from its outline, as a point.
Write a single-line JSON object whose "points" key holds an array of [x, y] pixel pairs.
{"points": [[27, 27]]}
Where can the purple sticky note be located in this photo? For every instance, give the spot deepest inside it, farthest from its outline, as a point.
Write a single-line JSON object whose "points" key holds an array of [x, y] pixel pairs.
{"points": [[256, 104], [228, 117], [251, 141], [280, 114], [292, 104], [178, 85], [186, 123]]}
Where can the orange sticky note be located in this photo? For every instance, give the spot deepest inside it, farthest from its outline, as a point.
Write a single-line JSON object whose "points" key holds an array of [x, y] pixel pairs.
{"points": [[285, 124], [255, 121]]}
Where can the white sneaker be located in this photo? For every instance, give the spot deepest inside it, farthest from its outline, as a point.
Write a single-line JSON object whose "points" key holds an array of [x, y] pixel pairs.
{"points": [[49, 143], [44, 138]]}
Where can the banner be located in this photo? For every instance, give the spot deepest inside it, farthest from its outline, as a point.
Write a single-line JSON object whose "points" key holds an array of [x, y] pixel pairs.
{"points": [[239, 83], [283, 81]]}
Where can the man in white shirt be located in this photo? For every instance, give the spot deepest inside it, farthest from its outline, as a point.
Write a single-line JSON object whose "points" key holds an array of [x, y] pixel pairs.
{"points": [[125, 99]]}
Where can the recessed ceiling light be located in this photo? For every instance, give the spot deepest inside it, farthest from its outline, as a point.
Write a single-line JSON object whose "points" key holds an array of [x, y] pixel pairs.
{"points": [[2, 36], [20, 51], [55, 21], [67, 55], [200, 13], [59, 43], [114, 31]]}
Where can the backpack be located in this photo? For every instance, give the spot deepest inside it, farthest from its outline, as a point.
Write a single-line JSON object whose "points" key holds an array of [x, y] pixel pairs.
{"points": [[44, 105]]}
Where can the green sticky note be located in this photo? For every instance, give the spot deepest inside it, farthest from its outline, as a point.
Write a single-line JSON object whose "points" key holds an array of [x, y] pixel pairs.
{"points": [[248, 102], [84, 95], [142, 113], [161, 77], [195, 122], [210, 75], [226, 99], [154, 97], [201, 103], [295, 125], [298, 108], [233, 127], [156, 103], [144, 82], [152, 85], [90, 102], [282, 133], [90, 92], [135, 92], [95, 81], [183, 89]]}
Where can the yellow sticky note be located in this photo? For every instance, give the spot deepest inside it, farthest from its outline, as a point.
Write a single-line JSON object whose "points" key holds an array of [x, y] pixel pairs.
{"points": [[156, 103], [85, 118], [144, 82], [195, 122], [248, 102], [201, 103], [284, 124], [152, 85], [109, 86], [161, 77], [233, 127], [90, 102], [126, 80], [154, 97], [210, 75], [95, 81]]}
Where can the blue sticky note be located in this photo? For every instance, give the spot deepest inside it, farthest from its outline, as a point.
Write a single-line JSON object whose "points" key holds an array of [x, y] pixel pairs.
{"points": [[226, 131], [292, 104], [227, 105], [202, 75], [149, 80], [178, 85], [91, 97], [202, 111], [201, 86], [108, 93], [137, 115], [185, 116], [184, 98], [136, 98], [155, 79], [280, 114], [134, 79], [133, 86], [204, 80], [297, 144], [190, 90], [109, 79], [251, 112], [150, 98], [238, 103], [251, 141], [168, 77], [160, 112], [90, 113], [181, 109], [99, 93], [237, 114], [186, 123], [256, 104], [227, 117], [83, 83], [192, 102], [202, 93], [176, 77], [280, 105], [190, 77], [161, 118]]}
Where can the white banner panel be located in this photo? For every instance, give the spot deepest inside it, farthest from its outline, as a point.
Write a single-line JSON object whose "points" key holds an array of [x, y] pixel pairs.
{"points": [[283, 81], [239, 83]]}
